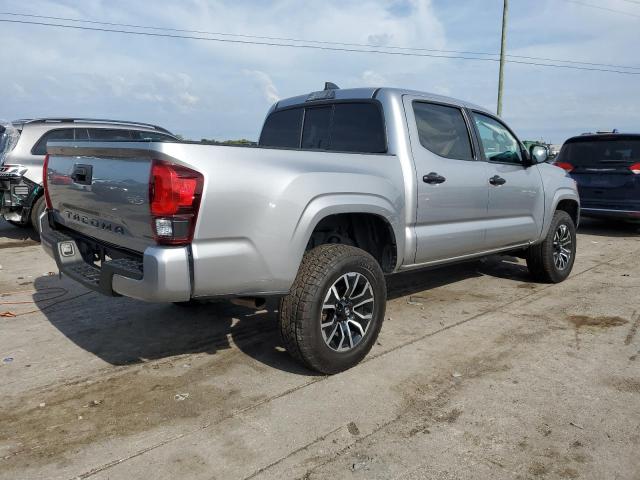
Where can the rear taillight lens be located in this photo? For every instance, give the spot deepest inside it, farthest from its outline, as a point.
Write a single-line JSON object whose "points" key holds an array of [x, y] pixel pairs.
{"points": [[565, 166], [635, 168], [174, 198], [45, 182]]}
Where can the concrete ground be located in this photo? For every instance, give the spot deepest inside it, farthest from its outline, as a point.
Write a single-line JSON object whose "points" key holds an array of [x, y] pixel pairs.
{"points": [[478, 373]]}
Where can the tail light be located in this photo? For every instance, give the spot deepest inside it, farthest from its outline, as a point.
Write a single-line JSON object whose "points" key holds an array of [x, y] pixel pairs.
{"points": [[565, 166], [174, 197], [45, 183], [635, 168]]}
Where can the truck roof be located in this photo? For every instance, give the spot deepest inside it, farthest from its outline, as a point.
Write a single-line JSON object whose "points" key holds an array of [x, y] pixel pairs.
{"points": [[372, 92]]}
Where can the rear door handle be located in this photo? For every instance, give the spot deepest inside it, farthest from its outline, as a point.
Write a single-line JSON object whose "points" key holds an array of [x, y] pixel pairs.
{"points": [[433, 178], [497, 180]]}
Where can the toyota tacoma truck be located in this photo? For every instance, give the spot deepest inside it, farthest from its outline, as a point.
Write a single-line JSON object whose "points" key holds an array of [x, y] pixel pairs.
{"points": [[23, 145], [345, 187]]}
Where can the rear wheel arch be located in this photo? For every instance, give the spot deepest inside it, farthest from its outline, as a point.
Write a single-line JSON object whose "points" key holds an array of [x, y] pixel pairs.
{"points": [[368, 231]]}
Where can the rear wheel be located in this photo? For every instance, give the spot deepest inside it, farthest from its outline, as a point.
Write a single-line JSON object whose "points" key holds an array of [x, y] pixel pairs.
{"points": [[551, 260], [331, 318], [36, 211]]}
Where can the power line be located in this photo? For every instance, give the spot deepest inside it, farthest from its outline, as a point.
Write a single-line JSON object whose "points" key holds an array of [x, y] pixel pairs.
{"points": [[313, 47], [590, 5], [320, 42]]}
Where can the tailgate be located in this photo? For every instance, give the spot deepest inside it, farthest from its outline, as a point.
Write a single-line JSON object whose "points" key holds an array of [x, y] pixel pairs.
{"points": [[102, 192]]}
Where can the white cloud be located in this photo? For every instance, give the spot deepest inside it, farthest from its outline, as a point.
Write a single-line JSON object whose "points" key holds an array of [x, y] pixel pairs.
{"points": [[265, 83], [371, 78], [222, 90], [188, 99]]}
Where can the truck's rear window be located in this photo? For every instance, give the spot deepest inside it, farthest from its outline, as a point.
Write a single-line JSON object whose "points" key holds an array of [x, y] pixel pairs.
{"points": [[345, 127], [595, 152], [282, 129]]}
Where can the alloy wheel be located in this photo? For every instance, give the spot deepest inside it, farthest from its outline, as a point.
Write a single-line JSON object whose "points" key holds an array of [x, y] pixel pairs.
{"points": [[562, 247], [347, 311]]}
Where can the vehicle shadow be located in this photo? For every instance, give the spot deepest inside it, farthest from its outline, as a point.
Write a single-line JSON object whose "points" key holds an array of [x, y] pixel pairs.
{"points": [[608, 228], [19, 235], [123, 331]]}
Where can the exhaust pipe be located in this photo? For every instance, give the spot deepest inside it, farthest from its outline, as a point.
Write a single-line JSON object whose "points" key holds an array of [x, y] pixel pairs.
{"points": [[255, 303]]}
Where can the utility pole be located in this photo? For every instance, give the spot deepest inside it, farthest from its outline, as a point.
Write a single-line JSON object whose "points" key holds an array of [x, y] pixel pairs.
{"points": [[503, 47]]}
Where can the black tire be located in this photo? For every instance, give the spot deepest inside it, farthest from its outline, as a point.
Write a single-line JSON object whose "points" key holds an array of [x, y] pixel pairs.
{"points": [[36, 211], [540, 257], [301, 311]]}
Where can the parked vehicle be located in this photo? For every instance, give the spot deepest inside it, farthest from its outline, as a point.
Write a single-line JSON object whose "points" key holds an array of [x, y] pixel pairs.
{"points": [[23, 150], [606, 167], [345, 187]]}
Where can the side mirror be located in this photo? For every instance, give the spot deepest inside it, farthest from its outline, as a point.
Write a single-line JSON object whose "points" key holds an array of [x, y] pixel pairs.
{"points": [[539, 154]]}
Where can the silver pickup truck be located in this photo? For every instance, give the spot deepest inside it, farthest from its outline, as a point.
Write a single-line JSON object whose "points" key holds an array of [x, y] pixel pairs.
{"points": [[345, 187]]}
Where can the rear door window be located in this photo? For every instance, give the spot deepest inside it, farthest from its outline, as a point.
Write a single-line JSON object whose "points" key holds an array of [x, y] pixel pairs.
{"points": [[59, 134], [358, 127], [443, 130], [282, 129], [81, 134], [151, 136], [315, 134], [109, 135]]}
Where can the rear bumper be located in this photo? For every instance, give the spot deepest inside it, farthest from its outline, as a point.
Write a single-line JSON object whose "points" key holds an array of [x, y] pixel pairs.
{"points": [[610, 213], [162, 276]]}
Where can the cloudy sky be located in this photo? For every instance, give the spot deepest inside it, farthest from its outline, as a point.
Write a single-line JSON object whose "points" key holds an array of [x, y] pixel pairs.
{"points": [[222, 90]]}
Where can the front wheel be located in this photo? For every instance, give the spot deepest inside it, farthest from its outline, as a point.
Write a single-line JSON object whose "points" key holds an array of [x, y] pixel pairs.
{"points": [[551, 260], [332, 316]]}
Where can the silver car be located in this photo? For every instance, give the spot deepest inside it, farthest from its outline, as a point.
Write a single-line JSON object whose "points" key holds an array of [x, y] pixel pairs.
{"points": [[23, 145]]}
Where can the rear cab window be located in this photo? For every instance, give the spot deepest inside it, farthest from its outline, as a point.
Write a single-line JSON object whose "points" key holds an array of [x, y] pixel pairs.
{"points": [[443, 130], [282, 129], [356, 127]]}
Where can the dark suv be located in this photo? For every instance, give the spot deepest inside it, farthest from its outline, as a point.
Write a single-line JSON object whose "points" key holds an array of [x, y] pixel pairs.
{"points": [[606, 167]]}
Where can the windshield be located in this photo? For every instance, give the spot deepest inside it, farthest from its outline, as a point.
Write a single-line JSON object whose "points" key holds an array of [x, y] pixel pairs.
{"points": [[599, 152], [8, 138]]}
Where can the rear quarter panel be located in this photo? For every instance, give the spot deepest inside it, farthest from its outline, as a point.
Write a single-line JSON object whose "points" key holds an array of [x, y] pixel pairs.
{"points": [[260, 206]]}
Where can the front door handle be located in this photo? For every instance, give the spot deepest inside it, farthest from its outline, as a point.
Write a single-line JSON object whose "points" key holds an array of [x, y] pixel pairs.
{"points": [[497, 180], [433, 178]]}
